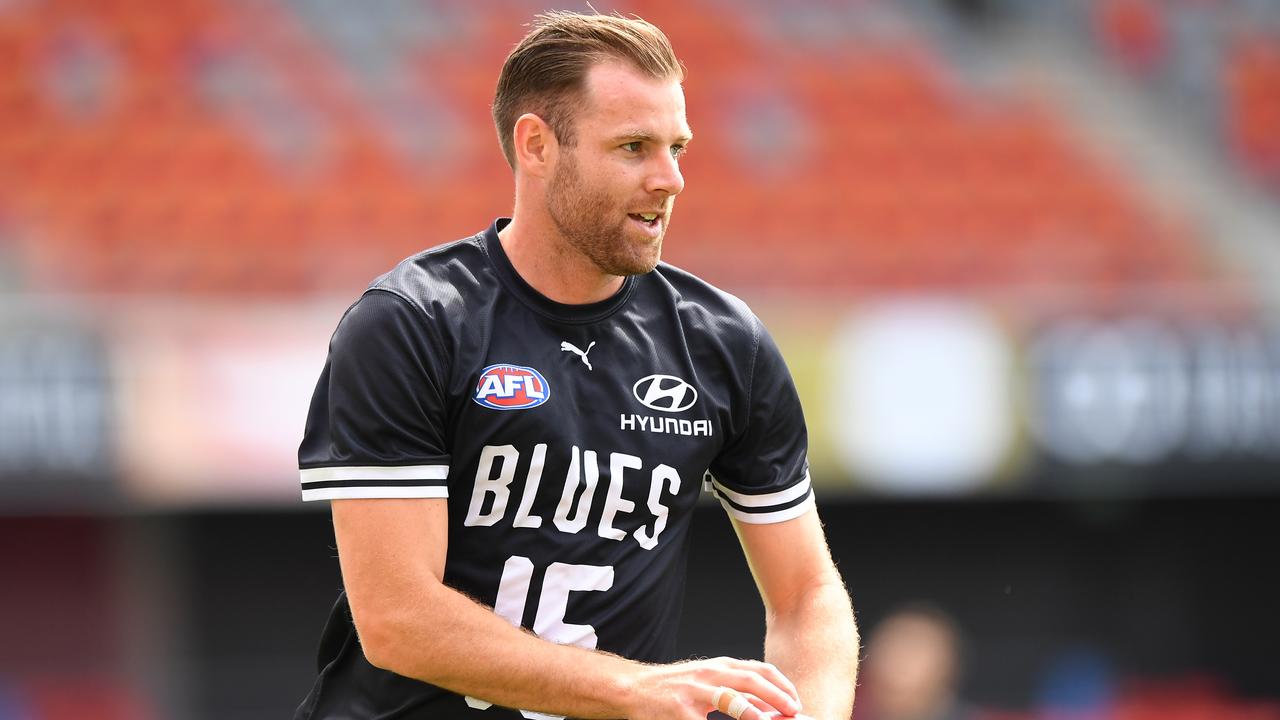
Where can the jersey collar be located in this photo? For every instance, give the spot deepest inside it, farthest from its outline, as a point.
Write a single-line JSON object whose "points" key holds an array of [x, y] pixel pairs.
{"points": [[543, 305]]}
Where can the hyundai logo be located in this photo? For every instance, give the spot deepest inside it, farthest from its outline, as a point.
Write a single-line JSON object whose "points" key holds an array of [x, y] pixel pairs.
{"points": [[667, 393]]}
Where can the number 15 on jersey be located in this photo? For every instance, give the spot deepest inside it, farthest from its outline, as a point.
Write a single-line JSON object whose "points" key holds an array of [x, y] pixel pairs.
{"points": [[549, 624]]}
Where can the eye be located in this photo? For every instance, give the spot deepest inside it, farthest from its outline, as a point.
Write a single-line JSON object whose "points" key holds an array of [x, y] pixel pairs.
{"points": [[633, 146], [677, 150]]}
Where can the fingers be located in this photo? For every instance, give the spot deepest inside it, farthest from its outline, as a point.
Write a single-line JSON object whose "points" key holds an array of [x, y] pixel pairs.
{"points": [[755, 713], [744, 689], [735, 704], [763, 681], [758, 703], [760, 710], [743, 706], [771, 673]]}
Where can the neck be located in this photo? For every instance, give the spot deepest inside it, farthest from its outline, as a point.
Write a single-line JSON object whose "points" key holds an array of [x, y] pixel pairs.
{"points": [[551, 265]]}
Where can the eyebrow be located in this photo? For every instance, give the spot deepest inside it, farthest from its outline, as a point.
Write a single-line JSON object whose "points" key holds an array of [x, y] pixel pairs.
{"points": [[646, 136]]}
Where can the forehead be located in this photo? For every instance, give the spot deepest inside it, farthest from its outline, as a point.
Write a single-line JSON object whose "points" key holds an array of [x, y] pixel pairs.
{"points": [[618, 96]]}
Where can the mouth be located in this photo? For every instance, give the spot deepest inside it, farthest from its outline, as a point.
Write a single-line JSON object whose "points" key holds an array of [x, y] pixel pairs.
{"points": [[649, 219], [650, 223]]}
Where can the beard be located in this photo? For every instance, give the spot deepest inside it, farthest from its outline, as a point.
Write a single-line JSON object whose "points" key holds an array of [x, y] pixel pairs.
{"points": [[582, 216]]}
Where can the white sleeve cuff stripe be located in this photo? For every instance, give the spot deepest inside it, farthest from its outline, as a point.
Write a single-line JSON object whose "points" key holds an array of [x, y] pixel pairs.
{"points": [[356, 493], [771, 517], [776, 498], [389, 472]]}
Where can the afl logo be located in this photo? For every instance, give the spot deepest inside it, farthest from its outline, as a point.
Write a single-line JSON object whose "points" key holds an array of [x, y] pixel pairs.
{"points": [[511, 387], [667, 393]]}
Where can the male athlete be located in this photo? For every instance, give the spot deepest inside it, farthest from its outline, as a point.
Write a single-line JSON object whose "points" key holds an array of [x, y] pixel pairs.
{"points": [[513, 430]]}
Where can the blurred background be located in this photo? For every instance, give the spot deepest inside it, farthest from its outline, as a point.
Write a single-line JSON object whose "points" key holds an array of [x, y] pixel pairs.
{"points": [[1023, 258]]}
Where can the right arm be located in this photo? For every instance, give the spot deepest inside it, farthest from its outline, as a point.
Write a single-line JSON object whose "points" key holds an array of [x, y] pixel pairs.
{"points": [[392, 553]]}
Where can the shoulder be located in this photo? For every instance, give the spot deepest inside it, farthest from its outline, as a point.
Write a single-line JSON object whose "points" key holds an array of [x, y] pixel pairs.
{"points": [[707, 307], [439, 280], [420, 303]]}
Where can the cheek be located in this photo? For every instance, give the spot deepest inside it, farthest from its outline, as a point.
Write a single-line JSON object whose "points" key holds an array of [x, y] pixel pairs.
{"points": [[629, 182], [613, 184], [609, 183], [618, 172]]}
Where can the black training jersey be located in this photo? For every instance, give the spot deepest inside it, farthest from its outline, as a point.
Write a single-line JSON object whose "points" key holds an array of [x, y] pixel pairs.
{"points": [[571, 443]]}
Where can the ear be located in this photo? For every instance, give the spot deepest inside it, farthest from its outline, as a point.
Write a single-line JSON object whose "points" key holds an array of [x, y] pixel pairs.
{"points": [[535, 145]]}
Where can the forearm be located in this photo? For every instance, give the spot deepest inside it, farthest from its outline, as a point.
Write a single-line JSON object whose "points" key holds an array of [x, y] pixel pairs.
{"points": [[815, 643], [451, 641]]}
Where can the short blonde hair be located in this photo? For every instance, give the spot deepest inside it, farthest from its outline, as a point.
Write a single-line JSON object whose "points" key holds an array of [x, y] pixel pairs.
{"points": [[546, 71]]}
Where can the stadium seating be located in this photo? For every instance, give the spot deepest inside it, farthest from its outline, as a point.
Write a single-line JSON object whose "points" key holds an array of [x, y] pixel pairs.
{"points": [[1252, 87], [1219, 60], [273, 149]]}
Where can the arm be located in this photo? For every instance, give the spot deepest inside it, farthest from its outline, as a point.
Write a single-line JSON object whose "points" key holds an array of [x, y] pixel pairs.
{"points": [[392, 554], [810, 630]]}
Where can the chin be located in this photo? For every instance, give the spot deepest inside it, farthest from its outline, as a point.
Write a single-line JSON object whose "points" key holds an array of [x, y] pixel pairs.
{"points": [[647, 268], [631, 256], [633, 265], [649, 261]]}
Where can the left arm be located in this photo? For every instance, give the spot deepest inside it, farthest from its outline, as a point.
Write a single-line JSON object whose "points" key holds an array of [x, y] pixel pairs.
{"points": [[810, 631]]}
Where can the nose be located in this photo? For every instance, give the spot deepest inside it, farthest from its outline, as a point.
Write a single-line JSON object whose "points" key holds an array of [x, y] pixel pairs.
{"points": [[664, 175]]}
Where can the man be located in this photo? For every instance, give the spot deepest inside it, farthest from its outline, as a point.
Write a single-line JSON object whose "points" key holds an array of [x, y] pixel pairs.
{"points": [[514, 428], [913, 667]]}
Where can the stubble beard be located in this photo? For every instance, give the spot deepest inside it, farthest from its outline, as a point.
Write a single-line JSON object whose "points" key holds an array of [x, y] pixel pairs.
{"points": [[579, 213]]}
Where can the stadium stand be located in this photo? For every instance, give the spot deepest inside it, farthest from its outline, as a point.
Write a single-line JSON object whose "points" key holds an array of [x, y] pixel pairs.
{"points": [[1220, 55], [179, 152], [1253, 106]]}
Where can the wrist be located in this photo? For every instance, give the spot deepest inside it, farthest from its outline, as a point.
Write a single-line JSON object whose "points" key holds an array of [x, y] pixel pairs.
{"points": [[626, 692]]}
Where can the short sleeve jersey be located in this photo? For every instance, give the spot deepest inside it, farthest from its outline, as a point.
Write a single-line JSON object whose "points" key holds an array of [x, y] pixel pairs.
{"points": [[571, 443]]}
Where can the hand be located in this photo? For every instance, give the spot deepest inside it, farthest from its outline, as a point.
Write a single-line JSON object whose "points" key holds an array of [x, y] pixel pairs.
{"points": [[687, 690]]}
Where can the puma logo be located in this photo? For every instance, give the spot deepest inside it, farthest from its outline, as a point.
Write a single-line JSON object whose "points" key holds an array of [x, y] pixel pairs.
{"points": [[570, 347]]}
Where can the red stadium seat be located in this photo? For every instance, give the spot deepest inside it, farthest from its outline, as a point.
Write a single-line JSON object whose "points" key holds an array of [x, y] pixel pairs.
{"points": [[895, 176]]}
